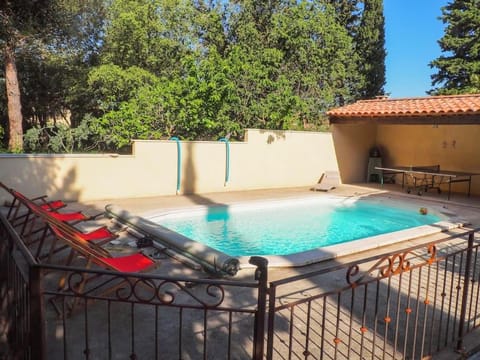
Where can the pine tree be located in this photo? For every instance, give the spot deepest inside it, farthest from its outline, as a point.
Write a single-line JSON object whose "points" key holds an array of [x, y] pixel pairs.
{"points": [[370, 43], [24, 25], [459, 66]]}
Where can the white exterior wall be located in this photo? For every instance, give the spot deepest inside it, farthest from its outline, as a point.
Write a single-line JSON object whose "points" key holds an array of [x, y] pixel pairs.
{"points": [[267, 159]]}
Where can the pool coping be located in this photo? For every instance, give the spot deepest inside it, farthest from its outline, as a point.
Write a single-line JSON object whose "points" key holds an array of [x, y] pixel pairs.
{"points": [[351, 247], [449, 222]]}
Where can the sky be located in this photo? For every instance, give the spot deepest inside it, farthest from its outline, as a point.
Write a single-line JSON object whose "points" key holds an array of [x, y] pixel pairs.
{"points": [[412, 31]]}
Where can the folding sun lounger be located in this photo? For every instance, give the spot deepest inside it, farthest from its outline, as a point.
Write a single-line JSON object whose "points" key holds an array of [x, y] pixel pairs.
{"points": [[92, 252], [28, 228], [13, 209], [329, 181], [51, 205], [100, 235], [96, 255], [82, 244]]}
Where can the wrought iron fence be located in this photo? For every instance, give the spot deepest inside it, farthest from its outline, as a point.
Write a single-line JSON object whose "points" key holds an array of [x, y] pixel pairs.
{"points": [[405, 305], [58, 312], [18, 316], [408, 304], [150, 317]]}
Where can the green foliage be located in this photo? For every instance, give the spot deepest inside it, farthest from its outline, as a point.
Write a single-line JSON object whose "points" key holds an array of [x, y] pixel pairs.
{"points": [[21, 22], [53, 43], [281, 66], [2, 135], [150, 69], [193, 106], [23, 18], [459, 66], [370, 40], [347, 14], [42, 80], [158, 34], [62, 138], [319, 57], [111, 85], [33, 139], [3, 112]]}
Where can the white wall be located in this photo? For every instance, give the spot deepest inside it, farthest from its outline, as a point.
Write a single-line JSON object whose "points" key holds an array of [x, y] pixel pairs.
{"points": [[267, 159]]}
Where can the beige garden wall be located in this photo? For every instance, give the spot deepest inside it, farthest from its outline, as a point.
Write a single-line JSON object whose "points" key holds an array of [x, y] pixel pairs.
{"points": [[453, 147], [266, 159], [353, 143]]}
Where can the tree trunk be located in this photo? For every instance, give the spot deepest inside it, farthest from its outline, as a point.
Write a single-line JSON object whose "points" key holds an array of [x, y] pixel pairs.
{"points": [[15, 140]]}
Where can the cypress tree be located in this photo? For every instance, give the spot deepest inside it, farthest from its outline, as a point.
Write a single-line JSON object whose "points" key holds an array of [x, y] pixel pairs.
{"points": [[347, 13], [459, 66], [370, 43]]}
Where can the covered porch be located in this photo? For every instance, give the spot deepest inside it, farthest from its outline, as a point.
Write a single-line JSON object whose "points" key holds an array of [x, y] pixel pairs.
{"points": [[437, 130]]}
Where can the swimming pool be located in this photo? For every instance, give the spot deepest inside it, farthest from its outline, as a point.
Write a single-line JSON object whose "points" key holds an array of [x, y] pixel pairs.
{"points": [[291, 226], [152, 224]]}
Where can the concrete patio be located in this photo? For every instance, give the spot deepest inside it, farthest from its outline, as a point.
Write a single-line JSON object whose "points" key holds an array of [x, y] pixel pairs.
{"points": [[468, 208]]}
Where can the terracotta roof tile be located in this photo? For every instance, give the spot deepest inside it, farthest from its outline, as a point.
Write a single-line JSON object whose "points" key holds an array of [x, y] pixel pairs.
{"points": [[421, 106]]}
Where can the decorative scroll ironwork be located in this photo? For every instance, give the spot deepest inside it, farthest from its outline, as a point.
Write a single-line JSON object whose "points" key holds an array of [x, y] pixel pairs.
{"points": [[142, 290], [387, 266]]}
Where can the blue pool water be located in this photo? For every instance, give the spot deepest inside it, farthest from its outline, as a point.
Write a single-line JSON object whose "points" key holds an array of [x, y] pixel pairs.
{"points": [[287, 227]]}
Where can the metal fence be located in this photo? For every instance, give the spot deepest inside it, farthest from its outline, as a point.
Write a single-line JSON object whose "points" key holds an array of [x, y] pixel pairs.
{"points": [[409, 304], [405, 305], [58, 312]]}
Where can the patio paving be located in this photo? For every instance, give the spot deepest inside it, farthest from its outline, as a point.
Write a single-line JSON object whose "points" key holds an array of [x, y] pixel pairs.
{"points": [[468, 208]]}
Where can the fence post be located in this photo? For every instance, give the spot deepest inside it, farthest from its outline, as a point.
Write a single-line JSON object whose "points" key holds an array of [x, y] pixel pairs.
{"points": [[463, 310], [261, 275], [271, 320], [37, 331], [4, 315]]}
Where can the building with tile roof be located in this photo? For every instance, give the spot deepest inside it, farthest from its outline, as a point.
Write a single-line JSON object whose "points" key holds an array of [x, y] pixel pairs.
{"points": [[435, 130], [454, 109]]}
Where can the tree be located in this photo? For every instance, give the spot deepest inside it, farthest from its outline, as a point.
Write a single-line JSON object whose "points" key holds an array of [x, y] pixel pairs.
{"points": [[318, 57], [370, 43], [275, 65], [159, 33], [211, 25], [21, 22], [293, 61], [14, 106], [75, 53], [347, 14], [52, 43], [459, 66]]}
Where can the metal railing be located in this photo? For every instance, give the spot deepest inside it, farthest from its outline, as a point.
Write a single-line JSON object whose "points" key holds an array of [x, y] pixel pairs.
{"points": [[104, 314], [408, 304]]}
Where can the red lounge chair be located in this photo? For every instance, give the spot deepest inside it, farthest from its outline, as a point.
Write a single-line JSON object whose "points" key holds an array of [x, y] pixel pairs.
{"points": [[137, 262], [40, 200], [82, 243], [102, 234], [92, 252], [51, 206], [95, 254], [13, 212]]}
